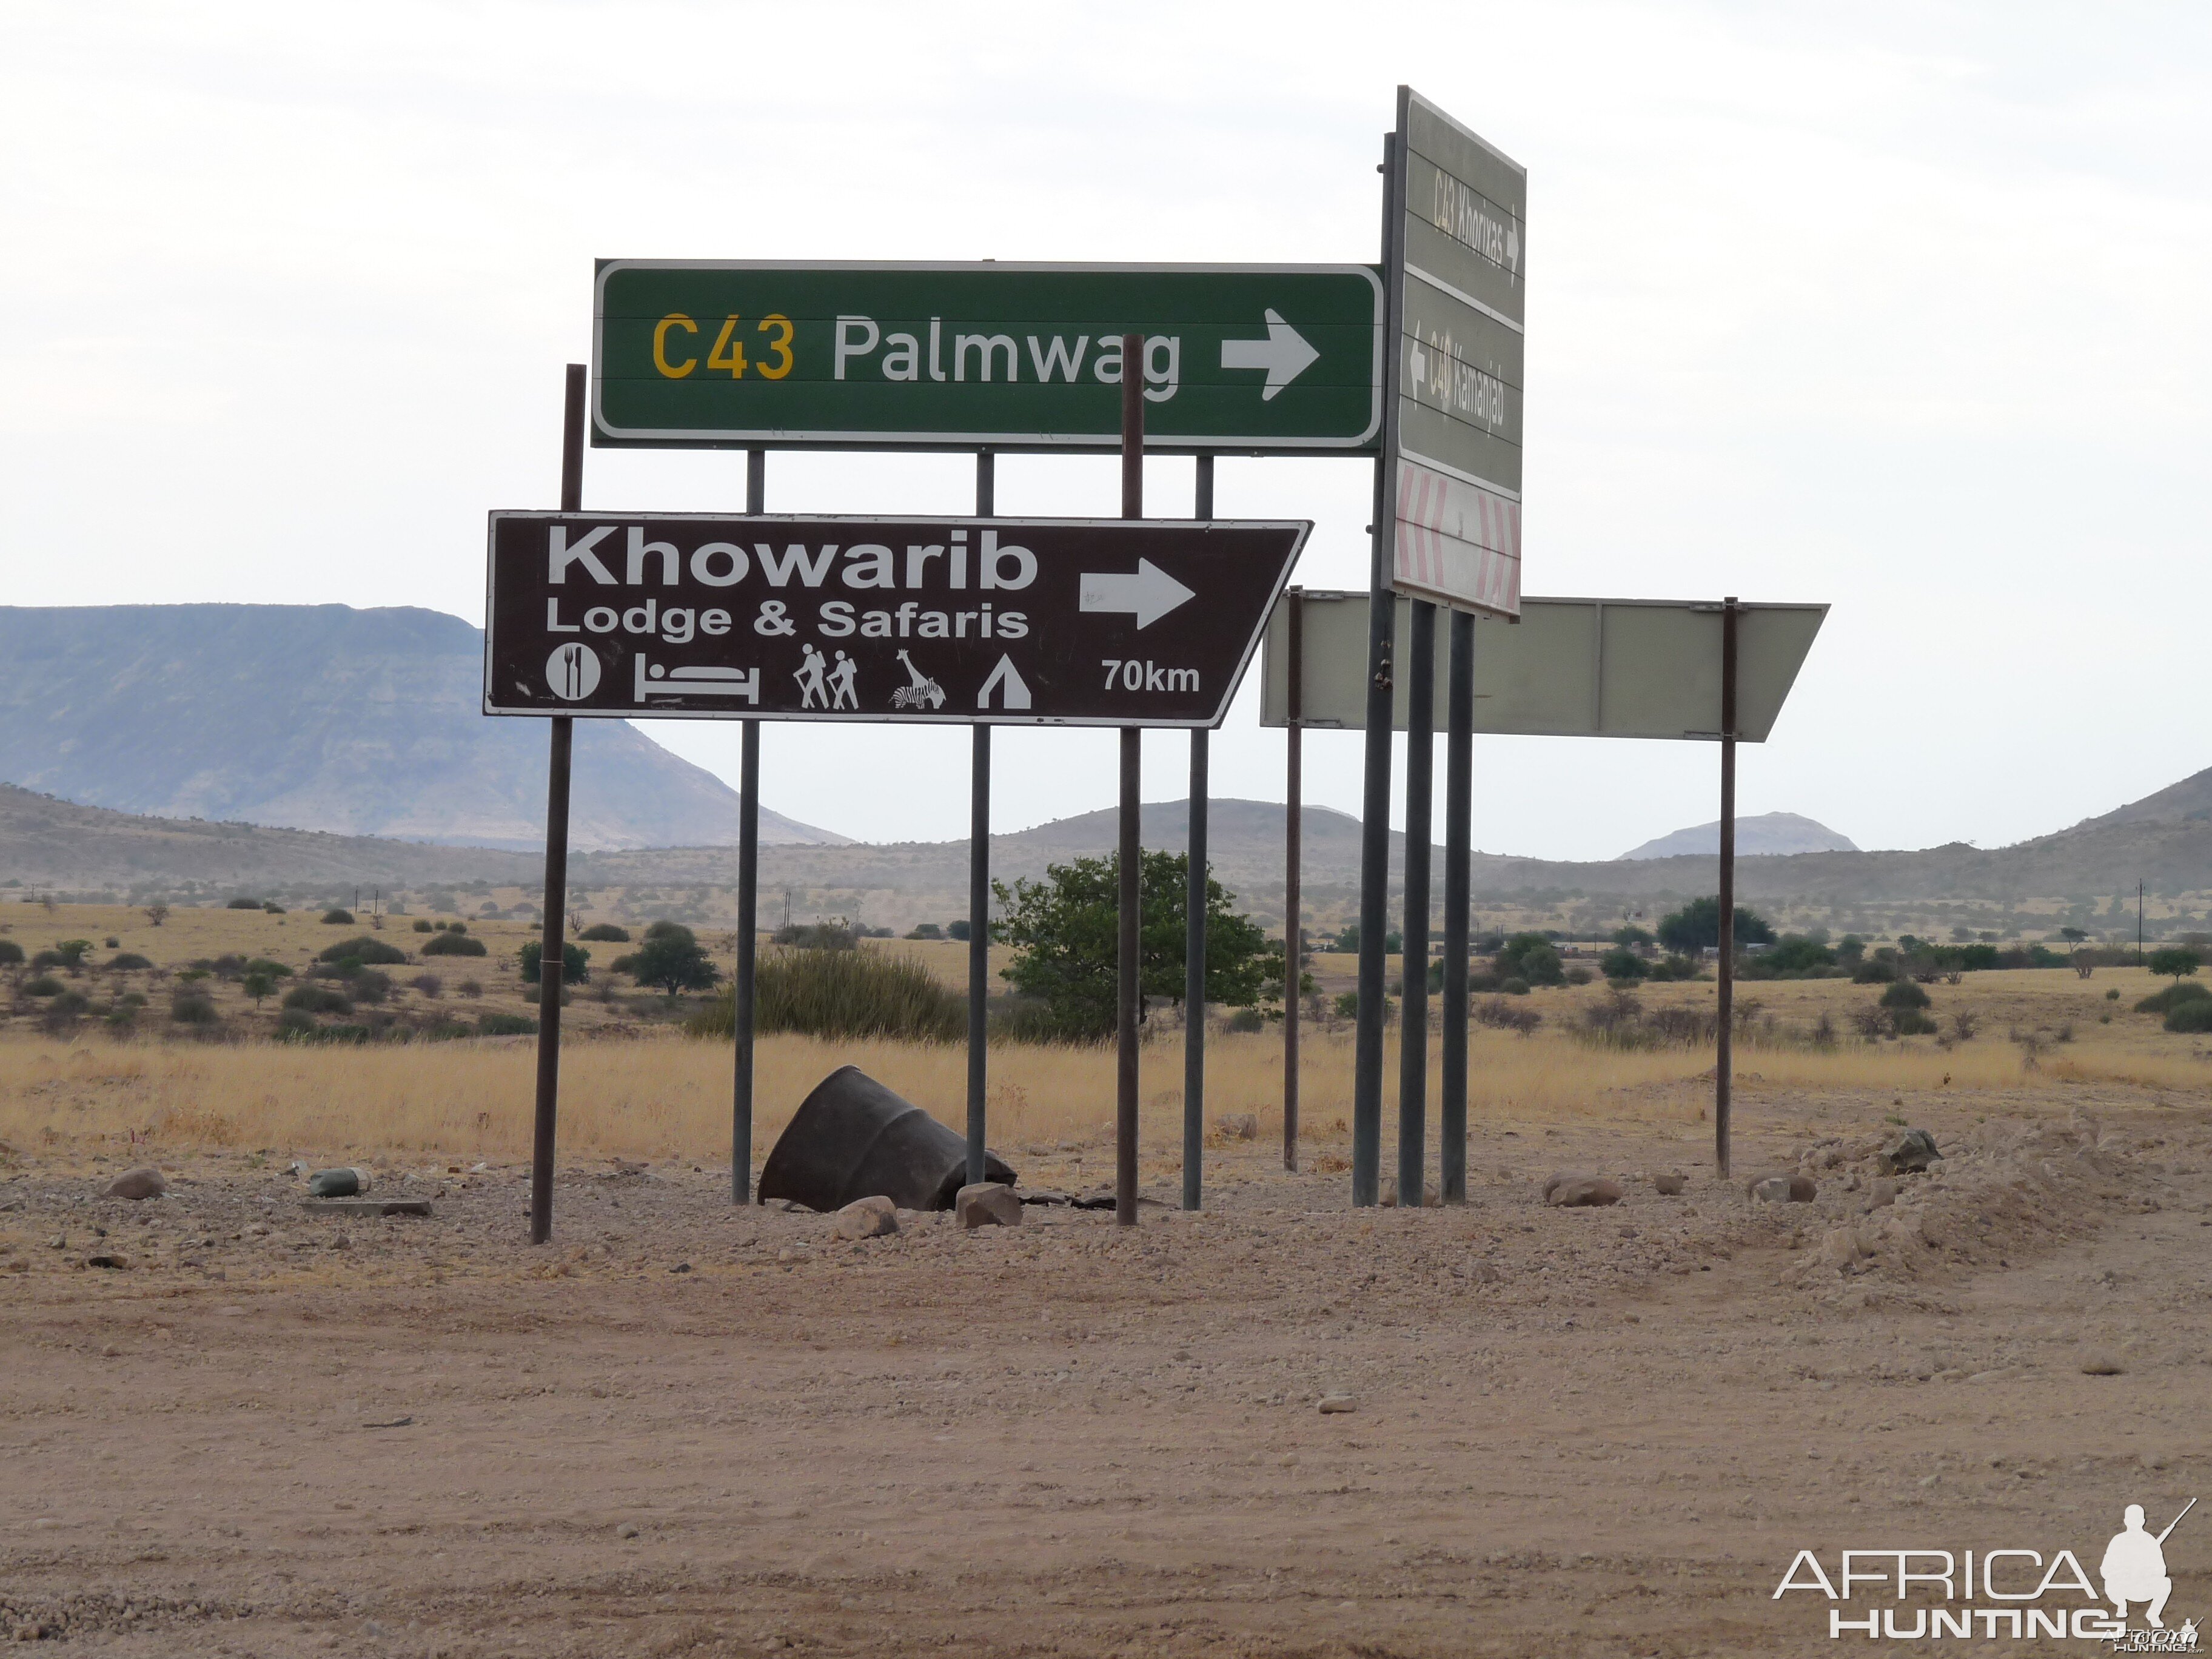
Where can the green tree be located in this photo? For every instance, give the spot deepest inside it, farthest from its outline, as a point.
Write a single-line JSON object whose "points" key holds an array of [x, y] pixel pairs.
{"points": [[1622, 961], [1066, 928], [575, 963], [1531, 958], [1697, 926], [1347, 941], [668, 959], [1793, 953], [2178, 960], [258, 986], [1630, 937]]}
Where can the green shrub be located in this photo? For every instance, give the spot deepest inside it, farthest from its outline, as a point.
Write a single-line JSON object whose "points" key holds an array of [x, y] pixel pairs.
{"points": [[497, 1025], [926, 930], [575, 963], [430, 985], [1911, 1022], [1903, 993], [1579, 977], [1529, 956], [454, 945], [1621, 962], [293, 1022], [425, 927], [2174, 996], [1874, 971], [43, 960], [1248, 1020], [454, 927], [1346, 1004], [45, 985], [605, 932], [68, 1004], [127, 962], [258, 986], [2112, 995], [1672, 968], [243, 904], [271, 908], [339, 918], [193, 1008], [844, 994], [2193, 1015], [368, 986], [364, 949], [318, 1000], [11, 954], [1513, 987], [273, 969]]}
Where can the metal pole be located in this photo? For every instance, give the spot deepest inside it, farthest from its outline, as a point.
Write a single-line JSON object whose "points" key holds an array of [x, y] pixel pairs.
{"points": [[1458, 814], [1724, 1055], [979, 886], [559, 749], [1193, 948], [1293, 857], [1129, 992], [741, 989], [1413, 959], [1375, 794]]}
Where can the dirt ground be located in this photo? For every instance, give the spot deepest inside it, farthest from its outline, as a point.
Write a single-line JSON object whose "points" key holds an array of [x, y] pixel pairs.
{"points": [[687, 1428]]}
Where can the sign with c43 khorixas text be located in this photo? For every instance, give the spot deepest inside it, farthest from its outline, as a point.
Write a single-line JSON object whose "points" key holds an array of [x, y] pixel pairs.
{"points": [[1256, 358]]}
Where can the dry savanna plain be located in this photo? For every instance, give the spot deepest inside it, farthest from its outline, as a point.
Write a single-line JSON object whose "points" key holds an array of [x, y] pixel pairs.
{"points": [[230, 1424]]}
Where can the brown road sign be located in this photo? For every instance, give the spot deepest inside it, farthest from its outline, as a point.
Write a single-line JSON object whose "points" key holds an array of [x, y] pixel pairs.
{"points": [[1059, 622]]}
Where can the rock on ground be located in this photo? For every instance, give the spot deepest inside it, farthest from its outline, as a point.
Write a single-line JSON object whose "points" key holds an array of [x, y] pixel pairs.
{"points": [[988, 1204], [144, 1182], [867, 1217]]}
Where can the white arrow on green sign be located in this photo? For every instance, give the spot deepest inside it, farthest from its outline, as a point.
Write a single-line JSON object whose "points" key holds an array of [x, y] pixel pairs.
{"points": [[1264, 359]]}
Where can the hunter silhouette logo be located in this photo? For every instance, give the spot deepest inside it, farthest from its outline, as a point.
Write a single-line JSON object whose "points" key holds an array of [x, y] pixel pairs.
{"points": [[2007, 1593]]}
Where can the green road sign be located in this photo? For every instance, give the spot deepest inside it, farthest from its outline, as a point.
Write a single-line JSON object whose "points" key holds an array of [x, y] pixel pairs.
{"points": [[737, 354]]}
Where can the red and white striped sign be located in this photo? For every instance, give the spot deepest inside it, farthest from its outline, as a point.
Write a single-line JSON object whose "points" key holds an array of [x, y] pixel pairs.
{"points": [[1457, 542]]}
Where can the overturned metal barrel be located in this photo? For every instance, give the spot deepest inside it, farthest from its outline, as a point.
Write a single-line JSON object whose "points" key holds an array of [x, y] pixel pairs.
{"points": [[853, 1139]]}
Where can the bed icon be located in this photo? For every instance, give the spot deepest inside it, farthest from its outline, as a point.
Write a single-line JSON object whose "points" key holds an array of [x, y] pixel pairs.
{"points": [[658, 680]]}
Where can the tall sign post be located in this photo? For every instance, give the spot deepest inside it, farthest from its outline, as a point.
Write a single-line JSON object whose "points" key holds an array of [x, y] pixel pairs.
{"points": [[1129, 986], [1447, 520], [561, 746]]}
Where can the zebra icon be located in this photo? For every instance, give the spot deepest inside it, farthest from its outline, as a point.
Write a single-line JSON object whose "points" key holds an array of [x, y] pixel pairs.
{"points": [[921, 691]]}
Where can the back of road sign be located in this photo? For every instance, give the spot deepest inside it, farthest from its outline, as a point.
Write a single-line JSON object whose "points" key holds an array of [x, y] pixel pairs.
{"points": [[1458, 278], [1573, 668]]}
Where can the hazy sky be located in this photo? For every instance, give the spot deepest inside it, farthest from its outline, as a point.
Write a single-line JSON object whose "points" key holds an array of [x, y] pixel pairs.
{"points": [[1898, 307]]}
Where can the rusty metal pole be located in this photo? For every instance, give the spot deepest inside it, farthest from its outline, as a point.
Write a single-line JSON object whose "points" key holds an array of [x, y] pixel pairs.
{"points": [[1129, 992], [1724, 1055], [556, 898], [979, 888], [1413, 952], [1195, 869], [1459, 812], [1293, 857], [741, 984]]}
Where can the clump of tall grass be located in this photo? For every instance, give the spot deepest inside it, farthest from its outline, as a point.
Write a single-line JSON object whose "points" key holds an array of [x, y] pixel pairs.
{"points": [[842, 993]]}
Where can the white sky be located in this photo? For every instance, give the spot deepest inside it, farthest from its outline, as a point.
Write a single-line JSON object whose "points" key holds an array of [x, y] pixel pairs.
{"points": [[1896, 306]]}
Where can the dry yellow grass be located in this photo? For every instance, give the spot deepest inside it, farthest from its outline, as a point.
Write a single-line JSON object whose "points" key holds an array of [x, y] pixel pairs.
{"points": [[662, 1096]]}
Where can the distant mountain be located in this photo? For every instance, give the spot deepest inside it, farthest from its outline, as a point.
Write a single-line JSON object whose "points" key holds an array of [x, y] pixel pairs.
{"points": [[324, 717], [1770, 834], [2189, 801]]}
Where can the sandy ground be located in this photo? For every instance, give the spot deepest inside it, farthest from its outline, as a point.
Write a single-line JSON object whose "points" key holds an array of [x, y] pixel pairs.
{"points": [[685, 1428]]}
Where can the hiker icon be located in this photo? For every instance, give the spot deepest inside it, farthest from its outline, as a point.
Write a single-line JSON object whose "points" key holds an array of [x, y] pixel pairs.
{"points": [[811, 694], [2134, 1567], [840, 682]]}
